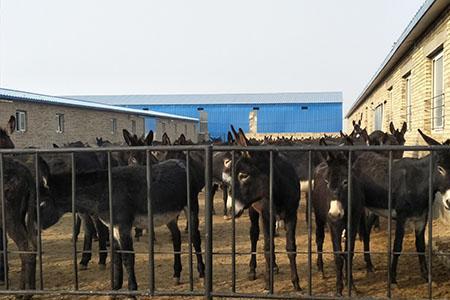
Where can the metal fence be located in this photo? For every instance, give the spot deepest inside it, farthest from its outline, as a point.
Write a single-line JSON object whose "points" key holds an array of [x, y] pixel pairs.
{"points": [[208, 291]]}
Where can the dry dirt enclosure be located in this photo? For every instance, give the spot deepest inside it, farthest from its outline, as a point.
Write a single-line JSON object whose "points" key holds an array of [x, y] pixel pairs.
{"points": [[57, 263]]}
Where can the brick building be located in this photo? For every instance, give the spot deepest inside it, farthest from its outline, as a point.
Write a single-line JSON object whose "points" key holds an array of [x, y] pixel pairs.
{"points": [[42, 120], [411, 83]]}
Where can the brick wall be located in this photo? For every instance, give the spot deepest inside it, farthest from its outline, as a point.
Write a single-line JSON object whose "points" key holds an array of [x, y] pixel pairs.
{"points": [[79, 124], [174, 128], [417, 62]]}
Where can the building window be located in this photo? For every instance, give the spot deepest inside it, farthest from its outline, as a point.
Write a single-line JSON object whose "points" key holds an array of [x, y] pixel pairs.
{"points": [[408, 96], [437, 102], [59, 123], [304, 107], [21, 121], [256, 108], [133, 126], [199, 108], [113, 126], [378, 125]]}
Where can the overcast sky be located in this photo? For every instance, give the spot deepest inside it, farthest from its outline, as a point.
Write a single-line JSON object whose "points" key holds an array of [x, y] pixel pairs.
{"points": [[198, 46]]}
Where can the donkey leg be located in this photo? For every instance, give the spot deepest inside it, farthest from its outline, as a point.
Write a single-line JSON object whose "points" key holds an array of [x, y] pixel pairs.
{"points": [[254, 236], [336, 238], [128, 258], [137, 233], [176, 241], [365, 234], [28, 261], [320, 237], [267, 244], [224, 199], [215, 187], [291, 248], [88, 227], [77, 227], [197, 242], [117, 263], [103, 233], [419, 228], [398, 245]]}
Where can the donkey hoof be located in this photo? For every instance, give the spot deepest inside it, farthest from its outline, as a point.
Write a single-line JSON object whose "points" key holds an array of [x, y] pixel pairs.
{"points": [[83, 267], [176, 280], [251, 275]]}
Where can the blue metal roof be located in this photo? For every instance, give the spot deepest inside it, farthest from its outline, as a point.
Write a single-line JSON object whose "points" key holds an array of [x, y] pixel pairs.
{"points": [[64, 101], [425, 16], [263, 98]]}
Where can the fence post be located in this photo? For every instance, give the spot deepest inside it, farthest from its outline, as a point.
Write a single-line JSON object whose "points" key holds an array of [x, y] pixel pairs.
{"points": [[208, 222]]}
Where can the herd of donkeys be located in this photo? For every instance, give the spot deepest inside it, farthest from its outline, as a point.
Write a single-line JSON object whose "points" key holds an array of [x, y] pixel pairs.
{"points": [[250, 171]]}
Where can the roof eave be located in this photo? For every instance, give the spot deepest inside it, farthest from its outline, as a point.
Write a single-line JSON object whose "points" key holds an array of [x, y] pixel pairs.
{"points": [[427, 14]]}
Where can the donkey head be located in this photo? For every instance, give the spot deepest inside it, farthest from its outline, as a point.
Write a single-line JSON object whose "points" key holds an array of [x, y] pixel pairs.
{"points": [[336, 178], [398, 134], [5, 140], [251, 176], [441, 167], [137, 157]]}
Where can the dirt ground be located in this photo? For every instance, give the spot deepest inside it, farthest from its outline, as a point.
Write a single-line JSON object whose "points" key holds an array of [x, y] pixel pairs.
{"points": [[57, 263]]}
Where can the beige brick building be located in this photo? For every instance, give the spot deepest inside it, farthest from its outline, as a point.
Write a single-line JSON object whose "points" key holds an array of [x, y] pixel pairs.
{"points": [[43, 120], [412, 82]]}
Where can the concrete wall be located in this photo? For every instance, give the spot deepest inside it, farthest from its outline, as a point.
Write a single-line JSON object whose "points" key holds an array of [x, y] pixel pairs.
{"points": [[79, 124], [392, 91], [174, 128]]}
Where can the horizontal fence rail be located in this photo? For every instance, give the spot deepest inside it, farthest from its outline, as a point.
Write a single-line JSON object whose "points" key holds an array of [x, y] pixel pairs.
{"points": [[209, 289]]}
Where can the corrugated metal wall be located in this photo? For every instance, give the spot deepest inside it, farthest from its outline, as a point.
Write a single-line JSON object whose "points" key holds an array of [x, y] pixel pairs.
{"points": [[272, 118]]}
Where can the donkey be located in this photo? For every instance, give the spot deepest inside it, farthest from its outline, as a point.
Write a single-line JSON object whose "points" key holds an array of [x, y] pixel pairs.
{"points": [[409, 193], [129, 208], [252, 193], [331, 206], [84, 162]]}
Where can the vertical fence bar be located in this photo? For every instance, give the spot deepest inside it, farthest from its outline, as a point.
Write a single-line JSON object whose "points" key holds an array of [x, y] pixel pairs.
{"points": [[151, 237], [233, 224], [309, 208], [111, 220], [4, 236], [208, 223], [430, 227], [349, 225], [389, 250], [38, 221], [189, 220], [271, 224], [74, 221]]}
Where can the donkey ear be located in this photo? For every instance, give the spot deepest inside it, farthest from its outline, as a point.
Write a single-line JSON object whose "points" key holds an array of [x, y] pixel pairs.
{"points": [[127, 137], [55, 146], [359, 123], [404, 128], [342, 134], [166, 139], [322, 142], [391, 128], [353, 123], [230, 138], [242, 140], [236, 135], [182, 139], [430, 141], [12, 124], [149, 138]]}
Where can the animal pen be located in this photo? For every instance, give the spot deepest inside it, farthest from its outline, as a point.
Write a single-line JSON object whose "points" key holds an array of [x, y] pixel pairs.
{"points": [[209, 291]]}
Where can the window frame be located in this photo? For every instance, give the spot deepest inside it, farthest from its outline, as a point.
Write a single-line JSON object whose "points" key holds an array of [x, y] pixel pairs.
{"points": [[20, 113], [60, 127], [379, 106], [113, 125], [435, 58], [408, 101]]}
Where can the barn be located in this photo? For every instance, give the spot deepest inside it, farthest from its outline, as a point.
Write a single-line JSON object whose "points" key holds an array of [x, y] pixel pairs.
{"points": [[269, 113], [410, 85], [42, 120]]}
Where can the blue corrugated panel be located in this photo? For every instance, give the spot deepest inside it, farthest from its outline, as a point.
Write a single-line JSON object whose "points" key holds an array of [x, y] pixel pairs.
{"points": [[272, 118]]}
